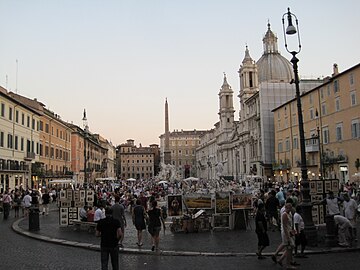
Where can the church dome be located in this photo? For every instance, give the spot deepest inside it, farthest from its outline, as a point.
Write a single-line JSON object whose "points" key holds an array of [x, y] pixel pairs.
{"points": [[272, 66]]}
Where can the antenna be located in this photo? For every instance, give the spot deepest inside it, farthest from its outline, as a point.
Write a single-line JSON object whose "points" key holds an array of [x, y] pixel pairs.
{"points": [[16, 85]]}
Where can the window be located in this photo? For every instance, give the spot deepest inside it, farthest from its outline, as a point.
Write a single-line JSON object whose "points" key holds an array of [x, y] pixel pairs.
{"points": [[353, 98], [33, 124], [22, 118], [2, 109], [295, 143], [325, 135], [328, 90], [10, 113], [339, 132], [322, 93], [17, 116], [1, 139], [355, 131], [22, 144], [336, 86], [287, 144], [337, 104], [323, 109], [28, 121], [351, 79], [311, 113], [16, 142], [280, 147], [10, 141], [47, 128]]}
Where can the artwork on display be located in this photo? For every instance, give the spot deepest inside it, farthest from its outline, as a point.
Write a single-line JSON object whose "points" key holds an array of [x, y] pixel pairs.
{"points": [[313, 187], [174, 205], [62, 194], [221, 221], [222, 203], [197, 201], [90, 196], [327, 186], [82, 195], [316, 198], [319, 187], [69, 194], [241, 201], [76, 195], [335, 186]]}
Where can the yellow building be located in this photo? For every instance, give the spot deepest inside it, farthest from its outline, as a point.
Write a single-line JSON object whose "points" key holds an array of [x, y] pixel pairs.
{"points": [[331, 114]]}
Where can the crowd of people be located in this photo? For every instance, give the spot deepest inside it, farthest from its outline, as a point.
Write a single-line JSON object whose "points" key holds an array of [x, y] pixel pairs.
{"points": [[279, 209]]}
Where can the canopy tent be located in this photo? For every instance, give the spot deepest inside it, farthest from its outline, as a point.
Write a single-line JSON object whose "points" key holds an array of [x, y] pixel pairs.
{"points": [[105, 179], [62, 181], [131, 180]]}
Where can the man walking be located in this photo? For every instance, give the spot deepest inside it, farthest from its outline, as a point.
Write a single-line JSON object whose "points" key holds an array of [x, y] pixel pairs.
{"points": [[45, 202], [118, 213], [110, 232], [350, 211]]}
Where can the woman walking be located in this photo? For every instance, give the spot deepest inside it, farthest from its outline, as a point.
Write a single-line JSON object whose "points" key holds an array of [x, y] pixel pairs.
{"points": [[154, 227], [138, 218]]}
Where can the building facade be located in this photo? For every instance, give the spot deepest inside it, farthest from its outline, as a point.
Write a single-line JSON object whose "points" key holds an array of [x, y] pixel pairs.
{"points": [[331, 114], [19, 142], [182, 147], [137, 162]]}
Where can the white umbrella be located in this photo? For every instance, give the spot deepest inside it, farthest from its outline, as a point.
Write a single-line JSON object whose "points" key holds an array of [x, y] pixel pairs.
{"points": [[163, 182], [191, 179], [131, 180]]}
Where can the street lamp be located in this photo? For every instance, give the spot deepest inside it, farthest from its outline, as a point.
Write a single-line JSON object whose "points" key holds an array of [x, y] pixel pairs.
{"points": [[306, 205], [321, 166]]}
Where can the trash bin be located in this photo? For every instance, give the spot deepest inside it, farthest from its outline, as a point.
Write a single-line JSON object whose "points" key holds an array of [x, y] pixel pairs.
{"points": [[34, 218]]}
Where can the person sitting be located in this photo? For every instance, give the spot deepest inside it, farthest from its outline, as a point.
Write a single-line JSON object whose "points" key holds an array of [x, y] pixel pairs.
{"points": [[90, 214], [83, 213]]}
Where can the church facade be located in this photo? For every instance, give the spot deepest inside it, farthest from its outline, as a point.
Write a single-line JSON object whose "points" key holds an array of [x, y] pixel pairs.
{"points": [[236, 149]]}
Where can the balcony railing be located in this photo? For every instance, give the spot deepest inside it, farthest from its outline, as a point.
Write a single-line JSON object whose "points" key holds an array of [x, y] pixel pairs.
{"points": [[312, 145]]}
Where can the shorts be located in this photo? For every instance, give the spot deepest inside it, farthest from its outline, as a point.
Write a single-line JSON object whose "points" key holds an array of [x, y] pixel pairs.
{"points": [[154, 231]]}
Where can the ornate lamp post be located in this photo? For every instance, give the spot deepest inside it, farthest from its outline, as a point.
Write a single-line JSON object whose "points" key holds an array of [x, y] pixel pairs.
{"points": [[306, 205]]}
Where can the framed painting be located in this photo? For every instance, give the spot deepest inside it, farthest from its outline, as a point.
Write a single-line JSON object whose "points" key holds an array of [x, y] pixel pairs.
{"points": [[222, 203], [221, 221], [198, 201], [174, 205], [241, 201]]}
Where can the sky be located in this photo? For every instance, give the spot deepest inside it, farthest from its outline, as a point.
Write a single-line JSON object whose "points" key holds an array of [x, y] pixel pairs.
{"points": [[120, 59]]}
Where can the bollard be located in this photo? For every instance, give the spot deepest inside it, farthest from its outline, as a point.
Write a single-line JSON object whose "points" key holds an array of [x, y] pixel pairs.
{"points": [[34, 224], [331, 232]]}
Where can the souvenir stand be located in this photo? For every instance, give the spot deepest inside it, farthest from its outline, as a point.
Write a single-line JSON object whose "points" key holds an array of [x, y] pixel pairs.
{"points": [[318, 190], [70, 203]]}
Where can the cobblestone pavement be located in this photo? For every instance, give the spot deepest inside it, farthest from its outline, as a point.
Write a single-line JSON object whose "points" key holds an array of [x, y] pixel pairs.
{"points": [[20, 252], [208, 243]]}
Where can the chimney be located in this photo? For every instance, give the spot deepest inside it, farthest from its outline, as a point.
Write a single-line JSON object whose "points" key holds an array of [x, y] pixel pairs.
{"points": [[335, 70]]}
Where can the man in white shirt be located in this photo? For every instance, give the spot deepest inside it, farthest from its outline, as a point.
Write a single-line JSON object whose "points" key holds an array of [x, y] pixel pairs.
{"points": [[332, 203], [27, 203], [344, 227], [350, 210], [99, 213], [300, 237]]}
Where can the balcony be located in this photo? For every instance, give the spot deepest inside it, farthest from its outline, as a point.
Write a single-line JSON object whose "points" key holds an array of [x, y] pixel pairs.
{"points": [[312, 145], [29, 156]]}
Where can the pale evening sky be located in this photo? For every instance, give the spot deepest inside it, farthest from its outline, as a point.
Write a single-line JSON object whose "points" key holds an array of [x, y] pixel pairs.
{"points": [[120, 59]]}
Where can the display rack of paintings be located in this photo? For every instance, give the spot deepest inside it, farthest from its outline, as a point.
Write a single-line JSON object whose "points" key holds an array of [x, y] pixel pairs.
{"points": [[174, 205], [90, 197], [222, 203], [64, 217]]}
